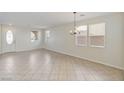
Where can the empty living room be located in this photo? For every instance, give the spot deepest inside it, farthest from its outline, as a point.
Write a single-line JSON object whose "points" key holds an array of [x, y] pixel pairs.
{"points": [[61, 46]]}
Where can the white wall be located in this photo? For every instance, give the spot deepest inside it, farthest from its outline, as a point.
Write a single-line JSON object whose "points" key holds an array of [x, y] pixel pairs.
{"points": [[61, 41], [23, 39], [0, 40], [123, 39], [22, 35]]}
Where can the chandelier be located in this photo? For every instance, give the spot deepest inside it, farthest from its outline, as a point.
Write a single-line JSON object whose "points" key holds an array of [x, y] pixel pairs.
{"points": [[74, 31]]}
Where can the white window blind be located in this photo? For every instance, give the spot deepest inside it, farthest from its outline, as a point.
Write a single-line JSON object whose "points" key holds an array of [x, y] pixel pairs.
{"points": [[81, 38], [97, 35]]}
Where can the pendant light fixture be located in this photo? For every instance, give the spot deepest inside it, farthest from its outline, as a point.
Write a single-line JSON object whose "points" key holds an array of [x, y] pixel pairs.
{"points": [[74, 31]]}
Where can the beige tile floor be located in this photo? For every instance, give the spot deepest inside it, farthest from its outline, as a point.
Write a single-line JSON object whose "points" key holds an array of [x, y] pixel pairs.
{"points": [[47, 65]]}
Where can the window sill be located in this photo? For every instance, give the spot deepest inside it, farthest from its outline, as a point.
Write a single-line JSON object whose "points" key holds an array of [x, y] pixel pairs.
{"points": [[93, 46], [81, 45]]}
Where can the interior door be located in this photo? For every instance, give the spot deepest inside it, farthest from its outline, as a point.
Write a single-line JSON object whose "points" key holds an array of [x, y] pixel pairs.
{"points": [[8, 39]]}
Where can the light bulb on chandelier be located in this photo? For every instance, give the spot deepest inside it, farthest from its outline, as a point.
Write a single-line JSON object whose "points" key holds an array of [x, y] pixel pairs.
{"points": [[74, 31]]}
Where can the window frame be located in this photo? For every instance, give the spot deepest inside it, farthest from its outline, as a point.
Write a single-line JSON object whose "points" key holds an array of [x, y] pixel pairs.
{"points": [[95, 46], [88, 44], [82, 45], [46, 34], [36, 36]]}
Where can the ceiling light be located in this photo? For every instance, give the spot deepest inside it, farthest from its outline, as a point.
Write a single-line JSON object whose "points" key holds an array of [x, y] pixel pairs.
{"points": [[82, 15], [74, 31]]}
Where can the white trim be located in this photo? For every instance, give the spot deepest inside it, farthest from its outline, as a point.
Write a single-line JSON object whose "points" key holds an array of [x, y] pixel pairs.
{"points": [[81, 45], [95, 46], [25, 50]]}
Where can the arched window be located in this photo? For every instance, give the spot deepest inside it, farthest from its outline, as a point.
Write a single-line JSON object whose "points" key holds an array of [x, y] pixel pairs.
{"points": [[9, 37]]}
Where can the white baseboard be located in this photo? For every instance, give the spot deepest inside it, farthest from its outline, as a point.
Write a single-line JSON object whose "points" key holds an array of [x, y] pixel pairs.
{"points": [[23, 50], [95, 61]]}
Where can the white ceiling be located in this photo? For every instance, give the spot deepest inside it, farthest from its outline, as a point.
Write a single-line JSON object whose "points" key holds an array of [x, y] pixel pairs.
{"points": [[44, 19]]}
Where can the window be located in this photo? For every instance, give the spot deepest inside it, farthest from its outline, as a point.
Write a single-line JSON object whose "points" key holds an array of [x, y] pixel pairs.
{"points": [[97, 35], [47, 34], [81, 38], [9, 37], [34, 36]]}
